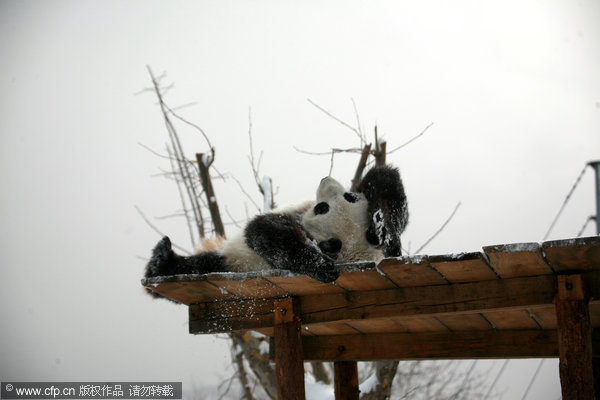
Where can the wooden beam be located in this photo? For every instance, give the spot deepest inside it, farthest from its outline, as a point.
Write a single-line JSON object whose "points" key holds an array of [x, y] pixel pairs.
{"points": [[289, 364], [574, 338], [472, 297], [434, 346], [346, 380], [231, 315]]}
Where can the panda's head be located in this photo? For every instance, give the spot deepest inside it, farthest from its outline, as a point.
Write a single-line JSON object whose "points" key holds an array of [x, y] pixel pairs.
{"points": [[361, 225], [339, 223]]}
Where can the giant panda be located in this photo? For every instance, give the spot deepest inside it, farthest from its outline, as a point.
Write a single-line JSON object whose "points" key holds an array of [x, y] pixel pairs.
{"points": [[310, 239]]}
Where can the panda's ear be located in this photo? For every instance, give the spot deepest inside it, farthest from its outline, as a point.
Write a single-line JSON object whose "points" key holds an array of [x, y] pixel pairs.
{"points": [[387, 210]]}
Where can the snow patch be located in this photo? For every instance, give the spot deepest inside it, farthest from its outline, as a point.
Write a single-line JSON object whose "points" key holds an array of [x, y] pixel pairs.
{"points": [[370, 384], [267, 191], [207, 159], [263, 347], [525, 247], [318, 390]]}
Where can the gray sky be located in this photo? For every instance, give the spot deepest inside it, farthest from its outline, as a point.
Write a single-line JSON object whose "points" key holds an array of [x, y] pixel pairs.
{"points": [[511, 86]]}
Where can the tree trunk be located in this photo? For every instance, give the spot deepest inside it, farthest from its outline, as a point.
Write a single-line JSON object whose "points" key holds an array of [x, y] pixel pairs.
{"points": [[385, 372]]}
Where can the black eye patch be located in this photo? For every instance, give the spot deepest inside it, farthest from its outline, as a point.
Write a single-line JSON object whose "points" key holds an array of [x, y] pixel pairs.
{"points": [[321, 208], [350, 197]]}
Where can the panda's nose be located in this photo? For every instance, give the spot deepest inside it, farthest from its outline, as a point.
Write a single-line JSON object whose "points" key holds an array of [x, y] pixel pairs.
{"points": [[321, 208]]}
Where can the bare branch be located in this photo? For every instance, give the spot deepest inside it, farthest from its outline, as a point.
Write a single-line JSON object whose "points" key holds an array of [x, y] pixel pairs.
{"points": [[362, 163], [190, 124], [412, 139], [562, 207], [233, 221], [182, 167], [265, 185], [439, 230], [155, 229], [335, 150], [246, 194], [213, 206], [380, 150], [353, 129], [587, 221], [168, 157], [361, 134]]}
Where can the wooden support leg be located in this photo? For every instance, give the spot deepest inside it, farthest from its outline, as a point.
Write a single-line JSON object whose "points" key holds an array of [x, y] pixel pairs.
{"points": [[596, 364], [346, 380], [289, 365], [574, 338]]}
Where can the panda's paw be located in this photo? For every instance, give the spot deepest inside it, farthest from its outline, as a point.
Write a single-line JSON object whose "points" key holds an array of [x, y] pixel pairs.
{"points": [[162, 258], [331, 247], [326, 272]]}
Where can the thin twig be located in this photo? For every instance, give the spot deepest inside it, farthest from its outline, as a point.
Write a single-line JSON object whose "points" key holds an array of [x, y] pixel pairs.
{"points": [[331, 163], [565, 201], [335, 150], [439, 230], [347, 125], [587, 221], [168, 157], [193, 125], [412, 139], [155, 229], [246, 193], [361, 134]]}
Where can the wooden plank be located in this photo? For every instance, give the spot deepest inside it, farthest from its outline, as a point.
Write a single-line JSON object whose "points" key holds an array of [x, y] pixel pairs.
{"points": [[463, 267], [459, 298], [232, 315], [574, 338], [363, 276], [302, 285], [329, 328], [511, 319], [411, 271], [379, 325], [186, 289], [544, 316], [582, 254], [421, 324], [345, 380], [430, 300], [431, 346], [246, 286], [519, 259], [464, 322], [289, 364]]}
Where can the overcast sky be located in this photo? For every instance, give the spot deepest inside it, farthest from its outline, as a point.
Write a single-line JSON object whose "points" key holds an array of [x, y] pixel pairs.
{"points": [[512, 88]]}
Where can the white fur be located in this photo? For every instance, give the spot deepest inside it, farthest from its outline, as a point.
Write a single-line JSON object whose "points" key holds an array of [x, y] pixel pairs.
{"points": [[345, 221]]}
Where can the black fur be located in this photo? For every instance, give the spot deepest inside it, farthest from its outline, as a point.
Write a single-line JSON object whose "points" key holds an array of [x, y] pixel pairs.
{"points": [[331, 247], [165, 262], [282, 242], [384, 190]]}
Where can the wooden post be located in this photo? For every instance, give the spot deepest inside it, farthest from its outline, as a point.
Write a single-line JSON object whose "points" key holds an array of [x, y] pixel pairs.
{"points": [[574, 338], [346, 380], [289, 364]]}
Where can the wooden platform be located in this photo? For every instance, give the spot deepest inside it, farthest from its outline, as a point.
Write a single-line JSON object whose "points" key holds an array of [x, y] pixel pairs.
{"points": [[503, 302]]}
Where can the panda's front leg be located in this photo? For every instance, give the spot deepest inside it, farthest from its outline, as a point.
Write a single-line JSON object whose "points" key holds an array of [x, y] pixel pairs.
{"points": [[282, 242]]}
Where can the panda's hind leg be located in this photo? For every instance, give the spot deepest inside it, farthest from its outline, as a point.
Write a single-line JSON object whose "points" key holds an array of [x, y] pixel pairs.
{"points": [[164, 262]]}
